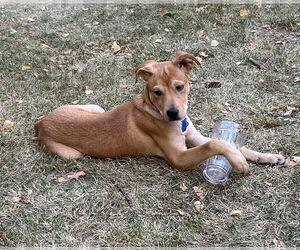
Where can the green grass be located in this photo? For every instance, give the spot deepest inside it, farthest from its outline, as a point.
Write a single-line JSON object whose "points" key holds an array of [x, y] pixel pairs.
{"points": [[91, 211]]}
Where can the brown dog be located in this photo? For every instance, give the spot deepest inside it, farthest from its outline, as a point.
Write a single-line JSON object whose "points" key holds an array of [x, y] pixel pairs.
{"points": [[149, 125]]}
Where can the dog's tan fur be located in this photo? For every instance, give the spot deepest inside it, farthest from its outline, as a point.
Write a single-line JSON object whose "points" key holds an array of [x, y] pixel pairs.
{"points": [[142, 126]]}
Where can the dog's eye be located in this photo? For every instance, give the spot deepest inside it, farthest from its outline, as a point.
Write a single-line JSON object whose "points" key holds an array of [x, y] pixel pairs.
{"points": [[179, 87], [157, 92]]}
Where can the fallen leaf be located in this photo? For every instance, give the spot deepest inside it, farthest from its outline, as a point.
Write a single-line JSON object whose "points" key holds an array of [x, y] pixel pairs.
{"points": [[22, 199], [200, 34], [295, 161], [214, 43], [163, 9], [199, 192], [297, 79], [76, 175], [198, 205], [236, 213], [88, 91], [71, 176], [122, 85], [25, 67], [30, 32], [8, 124], [203, 54], [182, 186], [215, 25], [116, 47], [290, 110], [12, 198], [244, 12], [67, 52], [62, 179]]}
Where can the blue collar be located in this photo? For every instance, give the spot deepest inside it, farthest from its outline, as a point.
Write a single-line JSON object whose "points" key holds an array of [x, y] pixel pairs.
{"points": [[184, 125]]}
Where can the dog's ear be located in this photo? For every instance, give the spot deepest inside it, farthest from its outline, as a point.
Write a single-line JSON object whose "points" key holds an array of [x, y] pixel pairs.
{"points": [[184, 61], [145, 70]]}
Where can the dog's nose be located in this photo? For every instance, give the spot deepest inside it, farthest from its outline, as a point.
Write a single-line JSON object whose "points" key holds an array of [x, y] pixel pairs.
{"points": [[173, 113]]}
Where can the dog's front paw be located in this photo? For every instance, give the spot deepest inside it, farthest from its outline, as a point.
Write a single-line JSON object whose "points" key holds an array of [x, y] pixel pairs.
{"points": [[276, 159], [238, 161]]}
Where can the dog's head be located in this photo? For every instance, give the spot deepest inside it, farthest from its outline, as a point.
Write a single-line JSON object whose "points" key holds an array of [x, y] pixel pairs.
{"points": [[168, 86]]}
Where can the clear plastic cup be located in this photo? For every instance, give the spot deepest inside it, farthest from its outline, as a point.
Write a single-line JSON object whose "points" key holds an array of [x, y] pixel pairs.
{"points": [[217, 168]]}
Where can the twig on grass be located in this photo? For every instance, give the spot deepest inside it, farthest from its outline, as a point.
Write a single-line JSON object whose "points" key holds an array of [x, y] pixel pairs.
{"points": [[255, 63], [124, 193]]}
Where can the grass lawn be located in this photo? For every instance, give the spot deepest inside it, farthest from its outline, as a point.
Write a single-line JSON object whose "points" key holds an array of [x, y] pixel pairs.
{"points": [[50, 55]]}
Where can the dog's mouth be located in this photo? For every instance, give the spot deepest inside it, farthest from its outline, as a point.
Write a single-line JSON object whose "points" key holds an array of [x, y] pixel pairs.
{"points": [[174, 119]]}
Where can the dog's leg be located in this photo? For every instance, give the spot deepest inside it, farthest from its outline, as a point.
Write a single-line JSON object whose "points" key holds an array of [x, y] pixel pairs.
{"points": [[185, 159], [254, 156], [194, 138], [89, 107], [63, 151]]}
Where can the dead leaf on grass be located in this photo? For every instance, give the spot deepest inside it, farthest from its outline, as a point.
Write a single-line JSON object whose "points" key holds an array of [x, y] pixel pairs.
{"points": [[164, 9], [290, 110], [25, 67], [235, 213], [244, 12], [214, 43], [7, 124], [122, 85], [71, 176], [182, 186], [67, 52], [88, 91], [21, 199], [200, 34], [203, 54], [295, 161], [116, 47], [198, 205], [199, 191], [76, 175]]}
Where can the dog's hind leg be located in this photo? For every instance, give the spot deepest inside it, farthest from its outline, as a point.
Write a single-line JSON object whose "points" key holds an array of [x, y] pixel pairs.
{"points": [[63, 150], [89, 107]]}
